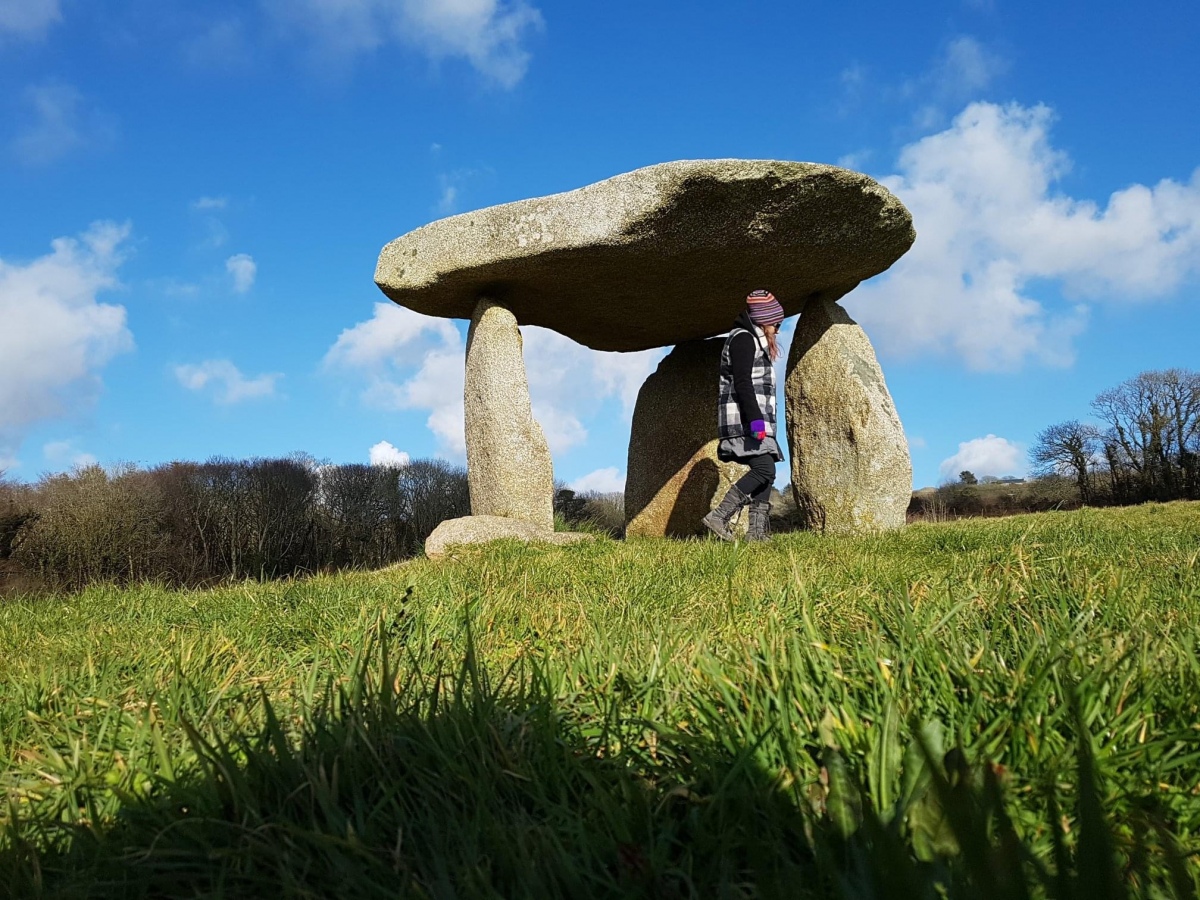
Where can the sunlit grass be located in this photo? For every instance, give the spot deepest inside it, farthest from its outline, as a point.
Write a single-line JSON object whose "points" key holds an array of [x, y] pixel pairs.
{"points": [[820, 716]]}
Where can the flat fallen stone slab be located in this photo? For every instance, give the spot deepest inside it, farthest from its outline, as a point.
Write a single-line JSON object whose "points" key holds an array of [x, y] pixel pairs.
{"points": [[485, 529], [656, 256]]}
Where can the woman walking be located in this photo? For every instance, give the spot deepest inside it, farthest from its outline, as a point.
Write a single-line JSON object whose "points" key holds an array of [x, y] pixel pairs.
{"points": [[746, 416]]}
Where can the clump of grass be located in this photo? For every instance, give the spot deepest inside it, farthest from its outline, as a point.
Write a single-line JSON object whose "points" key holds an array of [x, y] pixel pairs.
{"points": [[985, 709]]}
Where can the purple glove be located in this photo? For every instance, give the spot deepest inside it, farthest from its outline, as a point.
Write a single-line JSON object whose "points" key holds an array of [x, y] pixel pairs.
{"points": [[758, 428]]}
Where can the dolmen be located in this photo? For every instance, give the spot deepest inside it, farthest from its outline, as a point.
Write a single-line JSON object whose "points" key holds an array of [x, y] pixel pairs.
{"points": [[665, 256]]}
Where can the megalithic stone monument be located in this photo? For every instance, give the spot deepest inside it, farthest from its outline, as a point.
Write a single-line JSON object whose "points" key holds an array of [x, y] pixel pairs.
{"points": [[656, 257]]}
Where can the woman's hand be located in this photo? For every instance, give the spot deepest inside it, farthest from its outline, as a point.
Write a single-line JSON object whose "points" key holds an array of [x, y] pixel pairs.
{"points": [[758, 429]]}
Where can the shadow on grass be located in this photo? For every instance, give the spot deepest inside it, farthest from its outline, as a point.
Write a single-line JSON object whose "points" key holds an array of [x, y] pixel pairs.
{"points": [[460, 786], [446, 787]]}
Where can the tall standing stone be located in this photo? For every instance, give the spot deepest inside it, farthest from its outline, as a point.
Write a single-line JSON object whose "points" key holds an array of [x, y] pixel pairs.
{"points": [[509, 469], [673, 477], [851, 470]]}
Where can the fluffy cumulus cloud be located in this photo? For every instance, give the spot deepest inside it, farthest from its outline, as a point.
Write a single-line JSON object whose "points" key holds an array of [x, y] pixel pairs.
{"points": [[58, 121], [416, 362], [603, 481], [243, 270], [385, 454], [991, 223], [225, 381], [988, 455], [412, 362], [489, 34], [28, 19], [57, 336]]}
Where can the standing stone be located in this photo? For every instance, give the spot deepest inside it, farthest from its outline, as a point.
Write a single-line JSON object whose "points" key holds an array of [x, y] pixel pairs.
{"points": [[673, 477], [851, 470], [509, 470]]}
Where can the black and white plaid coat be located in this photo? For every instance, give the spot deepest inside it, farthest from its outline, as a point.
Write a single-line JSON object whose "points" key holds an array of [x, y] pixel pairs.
{"points": [[762, 375]]}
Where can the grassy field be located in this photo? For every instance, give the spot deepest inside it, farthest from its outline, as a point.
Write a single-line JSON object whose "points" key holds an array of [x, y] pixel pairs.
{"points": [[989, 708]]}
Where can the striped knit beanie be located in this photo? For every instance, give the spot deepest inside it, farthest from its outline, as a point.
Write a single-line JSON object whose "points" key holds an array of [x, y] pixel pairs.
{"points": [[764, 308]]}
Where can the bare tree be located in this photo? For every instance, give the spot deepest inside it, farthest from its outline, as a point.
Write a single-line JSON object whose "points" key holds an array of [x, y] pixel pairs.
{"points": [[1153, 432], [1069, 448], [16, 514], [278, 515], [430, 491]]}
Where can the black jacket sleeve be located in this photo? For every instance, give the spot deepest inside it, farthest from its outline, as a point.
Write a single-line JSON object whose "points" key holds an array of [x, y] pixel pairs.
{"points": [[741, 361]]}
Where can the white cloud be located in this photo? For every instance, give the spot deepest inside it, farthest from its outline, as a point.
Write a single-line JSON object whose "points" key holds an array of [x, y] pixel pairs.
{"points": [[568, 381], [388, 337], [28, 19], [64, 454], [411, 362], [621, 375], [989, 224], [416, 362], [447, 203], [989, 455], [603, 481], [228, 383], [384, 454], [242, 268], [968, 67], [56, 336], [208, 204], [59, 123], [489, 34], [453, 186], [965, 69], [855, 160]]}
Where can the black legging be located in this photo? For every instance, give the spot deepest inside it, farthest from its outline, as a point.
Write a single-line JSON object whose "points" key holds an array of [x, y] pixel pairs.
{"points": [[757, 482]]}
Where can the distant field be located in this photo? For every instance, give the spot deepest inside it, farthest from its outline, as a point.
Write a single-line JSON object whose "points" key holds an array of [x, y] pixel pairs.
{"points": [[986, 708]]}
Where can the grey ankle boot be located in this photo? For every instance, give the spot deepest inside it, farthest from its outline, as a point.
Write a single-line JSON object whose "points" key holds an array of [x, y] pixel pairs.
{"points": [[760, 521], [718, 520]]}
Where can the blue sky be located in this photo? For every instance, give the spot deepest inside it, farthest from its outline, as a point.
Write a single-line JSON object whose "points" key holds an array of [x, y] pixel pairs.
{"points": [[195, 194]]}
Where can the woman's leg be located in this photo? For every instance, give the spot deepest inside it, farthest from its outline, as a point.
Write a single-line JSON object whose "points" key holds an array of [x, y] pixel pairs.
{"points": [[760, 478], [749, 488], [762, 472]]}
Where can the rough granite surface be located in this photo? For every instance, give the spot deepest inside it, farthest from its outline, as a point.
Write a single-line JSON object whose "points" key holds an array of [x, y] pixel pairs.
{"points": [[656, 256], [509, 470], [851, 470], [673, 476], [482, 529]]}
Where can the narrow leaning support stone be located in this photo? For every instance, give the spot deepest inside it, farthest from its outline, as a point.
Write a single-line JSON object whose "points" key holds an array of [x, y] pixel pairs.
{"points": [[509, 470], [851, 470], [673, 477]]}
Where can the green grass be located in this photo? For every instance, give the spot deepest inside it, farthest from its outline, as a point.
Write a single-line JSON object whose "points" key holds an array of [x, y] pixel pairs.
{"points": [[999, 708]]}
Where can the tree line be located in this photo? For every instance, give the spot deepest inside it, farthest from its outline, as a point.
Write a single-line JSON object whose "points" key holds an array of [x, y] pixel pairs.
{"points": [[190, 524], [1145, 447]]}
